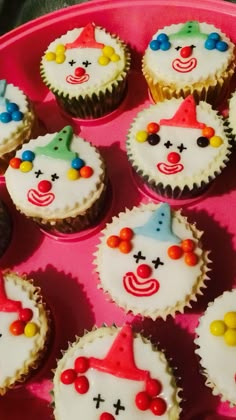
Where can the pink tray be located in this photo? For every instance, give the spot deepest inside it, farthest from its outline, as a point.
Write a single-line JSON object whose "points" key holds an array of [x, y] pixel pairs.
{"points": [[63, 268]]}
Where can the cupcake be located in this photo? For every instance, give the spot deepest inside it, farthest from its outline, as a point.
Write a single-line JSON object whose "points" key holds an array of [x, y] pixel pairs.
{"points": [[159, 265], [216, 345], [112, 372], [189, 58], [86, 69], [59, 180], [5, 228], [232, 115], [191, 144], [25, 329], [16, 121]]}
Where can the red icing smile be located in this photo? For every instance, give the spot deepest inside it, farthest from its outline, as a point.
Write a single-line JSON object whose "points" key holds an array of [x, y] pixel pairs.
{"points": [[40, 199], [184, 66], [75, 80], [138, 287], [168, 169]]}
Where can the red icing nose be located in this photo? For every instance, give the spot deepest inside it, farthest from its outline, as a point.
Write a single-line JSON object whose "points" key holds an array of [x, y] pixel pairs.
{"points": [[79, 71], [185, 52], [44, 186], [144, 271], [106, 416], [173, 157]]}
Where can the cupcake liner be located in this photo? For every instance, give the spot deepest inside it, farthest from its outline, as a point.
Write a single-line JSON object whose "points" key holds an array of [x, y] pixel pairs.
{"points": [[231, 116], [213, 91], [5, 228], [98, 333], [41, 347]]}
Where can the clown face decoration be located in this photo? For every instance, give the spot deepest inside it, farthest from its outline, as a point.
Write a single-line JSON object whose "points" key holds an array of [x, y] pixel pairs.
{"points": [[113, 374], [187, 53], [53, 175], [178, 144], [150, 262], [216, 345]]}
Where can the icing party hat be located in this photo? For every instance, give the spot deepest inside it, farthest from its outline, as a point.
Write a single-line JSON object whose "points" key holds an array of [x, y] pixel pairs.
{"points": [[59, 147], [189, 29], [185, 116], [7, 305], [119, 361], [3, 85], [159, 225], [86, 39]]}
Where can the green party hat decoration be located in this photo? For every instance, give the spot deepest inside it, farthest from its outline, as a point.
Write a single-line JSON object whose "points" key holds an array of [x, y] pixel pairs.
{"points": [[189, 29], [59, 146]]}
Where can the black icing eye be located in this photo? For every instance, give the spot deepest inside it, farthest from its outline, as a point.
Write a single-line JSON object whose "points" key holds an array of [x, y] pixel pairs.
{"points": [[153, 139], [181, 147], [98, 400], [54, 177], [72, 62], [86, 63], [0, 335], [157, 262], [38, 173], [168, 144], [178, 48], [192, 46], [139, 257], [202, 141], [118, 407]]}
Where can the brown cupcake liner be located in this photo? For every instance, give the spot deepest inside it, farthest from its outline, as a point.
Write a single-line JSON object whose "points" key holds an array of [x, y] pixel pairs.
{"points": [[213, 91], [38, 354]]}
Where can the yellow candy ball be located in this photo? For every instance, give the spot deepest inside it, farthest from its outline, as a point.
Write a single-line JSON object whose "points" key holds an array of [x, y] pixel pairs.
{"points": [[30, 329], [230, 337], [60, 58], [108, 51], [216, 141], [26, 166], [141, 136], [217, 328], [103, 60], [50, 56], [73, 174], [60, 48], [115, 57], [230, 319]]}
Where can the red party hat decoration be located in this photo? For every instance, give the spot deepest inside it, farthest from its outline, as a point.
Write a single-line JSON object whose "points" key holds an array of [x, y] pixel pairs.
{"points": [[119, 361], [7, 305], [185, 116], [86, 39]]}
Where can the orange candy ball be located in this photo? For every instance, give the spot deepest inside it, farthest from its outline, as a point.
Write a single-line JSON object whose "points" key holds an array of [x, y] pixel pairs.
{"points": [[113, 241], [15, 163], [187, 245], [86, 172], [126, 234], [152, 127], [190, 258], [175, 252], [208, 132], [17, 327], [125, 247]]}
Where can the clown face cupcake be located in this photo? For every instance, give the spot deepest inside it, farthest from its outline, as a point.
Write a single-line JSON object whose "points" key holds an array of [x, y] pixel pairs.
{"points": [[16, 121], [150, 261], [58, 180], [189, 58], [216, 346], [24, 329], [86, 69], [177, 147], [112, 372]]}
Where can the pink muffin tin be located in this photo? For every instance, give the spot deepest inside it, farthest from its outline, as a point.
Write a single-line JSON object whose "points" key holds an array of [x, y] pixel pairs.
{"points": [[62, 266]]}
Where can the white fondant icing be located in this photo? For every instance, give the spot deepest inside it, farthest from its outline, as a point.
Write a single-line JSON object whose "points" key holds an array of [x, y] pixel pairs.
{"points": [[177, 281], [210, 63], [68, 403], [199, 163], [70, 195], [216, 357]]}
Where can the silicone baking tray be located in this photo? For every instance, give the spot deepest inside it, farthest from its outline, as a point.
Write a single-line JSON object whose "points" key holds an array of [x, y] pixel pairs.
{"points": [[62, 266]]}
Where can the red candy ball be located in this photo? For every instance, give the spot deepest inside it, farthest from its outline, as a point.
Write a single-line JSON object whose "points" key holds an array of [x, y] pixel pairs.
{"points": [[144, 271], [86, 172], [81, 364], [106, 416], [17, 327], [142, 401], [68, 376], [153, 387], [25, 314], [15, 163], [173, 157], [158, 406], [44, 186], [81, 384]]}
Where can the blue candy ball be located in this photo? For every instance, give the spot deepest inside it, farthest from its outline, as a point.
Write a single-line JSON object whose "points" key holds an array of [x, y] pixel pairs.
{"points": [[12, 107], [155, 45], [77, 163], [165, 46], [17, 116], [28, 155], [210, 44], [162, 37], [221, 46], [214, 35], [5, 117]]}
